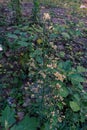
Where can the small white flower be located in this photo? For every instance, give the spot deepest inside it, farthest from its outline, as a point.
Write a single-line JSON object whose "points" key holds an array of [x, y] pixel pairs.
{"points": [[46, 16], [1, 49], [82, 7]]}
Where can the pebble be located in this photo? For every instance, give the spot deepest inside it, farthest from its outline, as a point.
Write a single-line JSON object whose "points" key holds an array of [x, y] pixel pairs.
{"points": [[1, 49]]}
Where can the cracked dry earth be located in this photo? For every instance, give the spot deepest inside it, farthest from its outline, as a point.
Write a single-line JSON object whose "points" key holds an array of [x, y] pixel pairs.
{"points": [[77, 51]]}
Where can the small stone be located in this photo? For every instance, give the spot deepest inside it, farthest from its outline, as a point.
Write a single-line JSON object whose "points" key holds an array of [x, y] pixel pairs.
{"points": [[1, 49], [61, 47], [20, 115], [26, 102]]}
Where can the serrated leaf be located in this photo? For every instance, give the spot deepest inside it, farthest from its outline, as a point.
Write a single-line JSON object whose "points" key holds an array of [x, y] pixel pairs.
{"points": [[76, 78], [27, 124], [74, 106], [7, 118], [63, 91]]}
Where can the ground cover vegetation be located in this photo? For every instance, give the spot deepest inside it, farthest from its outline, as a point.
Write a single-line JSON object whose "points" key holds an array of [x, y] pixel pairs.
{"points": [[43, 66]]}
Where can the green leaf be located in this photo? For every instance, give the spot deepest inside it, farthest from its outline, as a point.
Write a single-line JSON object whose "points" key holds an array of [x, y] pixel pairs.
{"points": [[25, 28], [7, 118], [74, 106], [81, 69], [27, 124], [80, 86], [76, 78], [60, 105], [46, 126], [23, 44], [17, 31], [24, 39], [39, 59], [66, 35], [12, 36], [53, 35], [62, 54], [76, 97], [66, 66], [36, 53], [63, 91]]}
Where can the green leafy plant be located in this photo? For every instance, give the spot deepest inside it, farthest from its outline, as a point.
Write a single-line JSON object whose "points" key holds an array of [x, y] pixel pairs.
{"points": [[27, 124], [2, 16], [7, 119], [68, 32], [16, 8], [50, 91], [35, 11]]}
